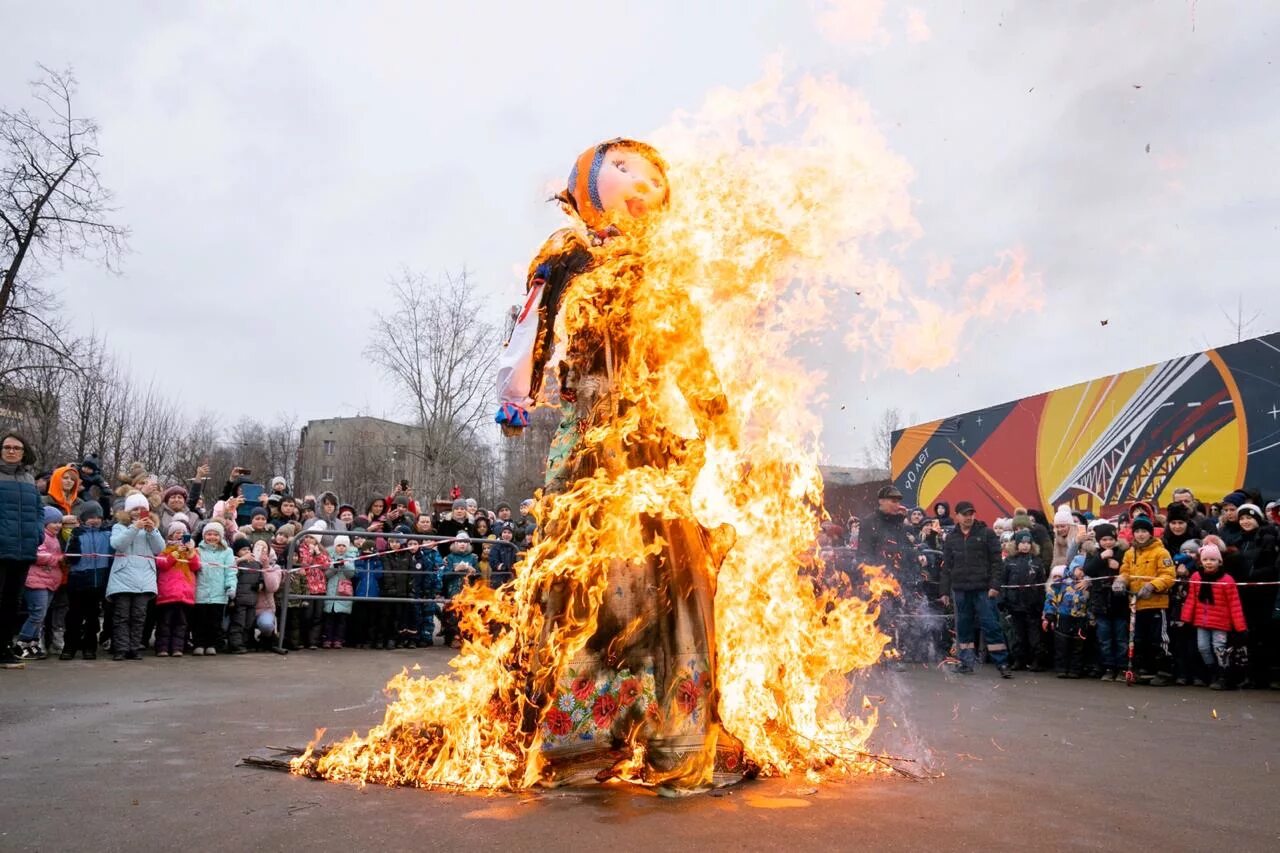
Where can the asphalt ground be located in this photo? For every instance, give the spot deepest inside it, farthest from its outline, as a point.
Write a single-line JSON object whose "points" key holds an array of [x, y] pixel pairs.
{"points": [[143, 756]]}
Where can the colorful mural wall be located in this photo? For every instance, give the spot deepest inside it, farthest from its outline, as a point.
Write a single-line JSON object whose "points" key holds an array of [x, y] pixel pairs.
{"points": [[1209, 422]]}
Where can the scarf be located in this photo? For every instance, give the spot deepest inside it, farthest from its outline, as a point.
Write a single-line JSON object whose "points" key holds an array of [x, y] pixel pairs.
{"points": [[1207, 581]]}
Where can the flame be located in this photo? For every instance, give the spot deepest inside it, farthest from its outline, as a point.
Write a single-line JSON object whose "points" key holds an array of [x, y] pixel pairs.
{"points": [[782, 194]]}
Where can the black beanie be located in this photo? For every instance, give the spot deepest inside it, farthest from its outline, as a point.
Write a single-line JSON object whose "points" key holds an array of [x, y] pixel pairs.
{"points": [[1101, 530], [1143, 523]]}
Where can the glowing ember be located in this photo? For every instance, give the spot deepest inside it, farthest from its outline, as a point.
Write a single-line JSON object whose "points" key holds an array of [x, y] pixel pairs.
{"points": [[760, 237]]}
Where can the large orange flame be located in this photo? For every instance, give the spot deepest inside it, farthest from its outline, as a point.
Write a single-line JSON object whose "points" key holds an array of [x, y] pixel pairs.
{"points": [[777, 192]]}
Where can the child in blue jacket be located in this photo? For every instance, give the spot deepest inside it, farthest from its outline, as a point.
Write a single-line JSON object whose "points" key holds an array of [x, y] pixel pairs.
{"points": [[89, 560], [1066, 610]]}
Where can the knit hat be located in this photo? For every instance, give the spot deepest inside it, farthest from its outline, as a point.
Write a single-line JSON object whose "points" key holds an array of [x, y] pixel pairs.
{"points": [[1210, 551], [1191, 546], [526, 502], [241, 543], [278, 481], [91, 509], [171, 491], [181, 518], [1021, 536], [460, 504], [137, 500], [217, 527], [400, 500], [258, 510], [1177, 512], [501, 506], [1104, 529], [1021, 521], [341, 540], [177, 527], [360, 522], [1236, 498], [1143, 523], [54, 515], [1063, 516], [289, 530], [1252, 510]]}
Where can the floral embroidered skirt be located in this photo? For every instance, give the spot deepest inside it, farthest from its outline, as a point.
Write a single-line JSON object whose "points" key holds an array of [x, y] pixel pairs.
{"points": [[647, 675]]}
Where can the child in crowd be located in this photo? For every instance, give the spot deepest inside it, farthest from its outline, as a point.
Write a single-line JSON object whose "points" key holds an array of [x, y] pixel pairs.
{"points": [[43, 580], [339, 573], [503, 559], [313, 562], [215, 588], [1108, 609], [244, 605], [459, 566], [1213, 608], [366, 616], [132, 583], [264, 609], [1182, 637], [1147, 573], [89, 561], [176, 568], [1023, 601], [258, 530], [397, 581], [1066, 610], [426, 588]]}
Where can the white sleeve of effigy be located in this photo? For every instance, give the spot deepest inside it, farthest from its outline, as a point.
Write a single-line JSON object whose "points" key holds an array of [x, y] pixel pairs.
{"points": [[515, 361]]}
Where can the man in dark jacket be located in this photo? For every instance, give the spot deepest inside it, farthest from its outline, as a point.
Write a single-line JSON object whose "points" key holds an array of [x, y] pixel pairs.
{"points": [[971, 571], [884, 541]]}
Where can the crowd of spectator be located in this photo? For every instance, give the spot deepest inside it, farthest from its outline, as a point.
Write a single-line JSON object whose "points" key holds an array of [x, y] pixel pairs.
{"points": [[1184, 594], [89, 565]]}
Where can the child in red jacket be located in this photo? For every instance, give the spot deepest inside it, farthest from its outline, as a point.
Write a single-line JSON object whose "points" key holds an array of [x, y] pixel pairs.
{"points": [[1213, 607], [176, 568]]}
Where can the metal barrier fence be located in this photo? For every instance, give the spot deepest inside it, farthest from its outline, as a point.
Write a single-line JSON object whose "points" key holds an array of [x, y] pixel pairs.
{"points": [[290, 566]]}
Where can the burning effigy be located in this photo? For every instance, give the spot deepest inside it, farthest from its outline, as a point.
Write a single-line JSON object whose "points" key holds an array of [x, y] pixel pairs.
{"points": [[660, 630]]}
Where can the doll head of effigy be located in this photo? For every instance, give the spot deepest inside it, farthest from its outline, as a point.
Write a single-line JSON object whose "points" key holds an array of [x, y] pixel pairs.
{"points": [[617, 183]]}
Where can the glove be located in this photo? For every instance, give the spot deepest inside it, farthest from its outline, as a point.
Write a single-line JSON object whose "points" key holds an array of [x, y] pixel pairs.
{"points": [[1118, 586], [1146, 591]]}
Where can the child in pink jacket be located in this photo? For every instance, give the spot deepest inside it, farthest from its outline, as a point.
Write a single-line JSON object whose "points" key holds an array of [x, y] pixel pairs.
{"points": [[43, 579], [176, 568]]}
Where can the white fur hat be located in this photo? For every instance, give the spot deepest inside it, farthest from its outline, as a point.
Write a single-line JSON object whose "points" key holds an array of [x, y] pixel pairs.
{"points": [[1064, 516], [137, 500]]}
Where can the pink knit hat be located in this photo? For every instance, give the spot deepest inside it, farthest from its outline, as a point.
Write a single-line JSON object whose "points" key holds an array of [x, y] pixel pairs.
{"points": [[1210, 550]]}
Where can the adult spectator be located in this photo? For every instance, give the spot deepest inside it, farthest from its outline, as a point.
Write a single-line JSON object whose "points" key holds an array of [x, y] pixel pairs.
{"points": [[1227, 524], [1196, 516], [1256, 553], [456, 523], [883, 539], [21, 532], [971, 569]]}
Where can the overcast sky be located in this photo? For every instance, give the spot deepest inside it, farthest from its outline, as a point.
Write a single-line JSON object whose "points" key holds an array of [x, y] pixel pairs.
{"points": [[279, 162]]}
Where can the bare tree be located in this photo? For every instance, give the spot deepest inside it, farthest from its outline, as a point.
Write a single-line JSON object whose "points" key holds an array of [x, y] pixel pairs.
{"points": [[52, 203], [440, 353], [879, 448]]}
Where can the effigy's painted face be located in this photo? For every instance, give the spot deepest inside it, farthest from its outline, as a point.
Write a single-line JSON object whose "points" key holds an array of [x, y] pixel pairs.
{"points": [[617, 183], [630, 185]]}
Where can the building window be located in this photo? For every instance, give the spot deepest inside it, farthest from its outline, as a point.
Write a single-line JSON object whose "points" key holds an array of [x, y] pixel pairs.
{"points": [[326, 473], [328, 448]]}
